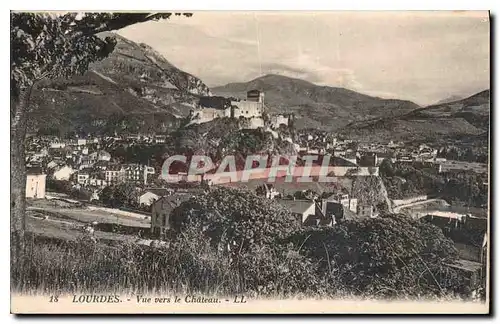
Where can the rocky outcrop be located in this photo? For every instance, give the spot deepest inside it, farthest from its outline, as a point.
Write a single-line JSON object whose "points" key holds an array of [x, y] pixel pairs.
{"points": [[135, 87]]}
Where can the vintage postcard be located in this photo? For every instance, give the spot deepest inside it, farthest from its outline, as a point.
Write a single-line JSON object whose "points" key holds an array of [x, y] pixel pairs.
{"points": [[250, 162]]}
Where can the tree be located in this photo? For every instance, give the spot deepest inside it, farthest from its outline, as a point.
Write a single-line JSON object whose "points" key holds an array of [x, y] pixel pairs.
{"points": [[236, 217], [452, 154], [49, 46], [469, 155], [120, 195], [62, 186], [386, 168]]}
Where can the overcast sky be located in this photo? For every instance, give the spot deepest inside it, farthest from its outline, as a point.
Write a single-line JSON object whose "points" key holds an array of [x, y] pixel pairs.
{"points": [[419, 56]]}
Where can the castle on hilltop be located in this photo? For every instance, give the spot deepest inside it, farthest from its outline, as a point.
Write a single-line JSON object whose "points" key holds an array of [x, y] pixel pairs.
{"points": [[211, 107], [252, 109]]}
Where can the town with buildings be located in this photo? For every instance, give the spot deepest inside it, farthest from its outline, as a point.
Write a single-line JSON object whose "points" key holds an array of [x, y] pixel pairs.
{"points": [[85, 165], [305, 185]]}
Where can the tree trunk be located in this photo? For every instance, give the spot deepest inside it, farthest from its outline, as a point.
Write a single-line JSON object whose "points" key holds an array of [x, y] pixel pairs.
{"points": [[18, 176]]}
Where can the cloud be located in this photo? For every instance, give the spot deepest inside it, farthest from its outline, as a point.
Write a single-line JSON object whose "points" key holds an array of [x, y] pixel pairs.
{"points": [[310, 68]]}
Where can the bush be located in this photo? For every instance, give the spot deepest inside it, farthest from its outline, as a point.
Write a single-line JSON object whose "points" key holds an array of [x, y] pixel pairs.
{"points": [[391, 256], [282, 271], [235, 217]]}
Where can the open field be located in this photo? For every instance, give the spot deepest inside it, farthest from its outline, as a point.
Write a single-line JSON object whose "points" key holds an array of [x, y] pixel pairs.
{"points": [[70, 231], [87, 214], [62, 220]]}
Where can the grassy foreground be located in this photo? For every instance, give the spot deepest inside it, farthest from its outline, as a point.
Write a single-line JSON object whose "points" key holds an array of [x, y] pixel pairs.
{"points": [[60, 266], [56, 266]]}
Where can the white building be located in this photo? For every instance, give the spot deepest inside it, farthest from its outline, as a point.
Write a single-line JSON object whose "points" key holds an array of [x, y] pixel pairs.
{"points": [[64, 173], [83, 178], [115, 174], [152, 195], [100, 156], [57, 145], [277, 120], [35, 185], [97, 182], [137, 173]]}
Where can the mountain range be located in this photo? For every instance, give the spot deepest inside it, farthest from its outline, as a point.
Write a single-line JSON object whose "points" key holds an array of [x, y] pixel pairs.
{"points": [[320, 107], [136, 89], [466, 117]]}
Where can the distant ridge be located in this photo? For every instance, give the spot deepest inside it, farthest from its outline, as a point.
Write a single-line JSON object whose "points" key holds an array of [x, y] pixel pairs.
{"points": [[315, 106], [449, 99], [469, 116]]}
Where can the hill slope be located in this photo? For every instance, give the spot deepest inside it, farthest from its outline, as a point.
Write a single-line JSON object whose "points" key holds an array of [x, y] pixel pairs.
{"points": [[225, 136], [469, 117], [134, 89], [316, 106], [449, 99]]}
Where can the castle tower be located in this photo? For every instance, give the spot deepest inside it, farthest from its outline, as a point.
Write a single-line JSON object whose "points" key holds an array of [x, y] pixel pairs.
{"points": [[255, 96]]}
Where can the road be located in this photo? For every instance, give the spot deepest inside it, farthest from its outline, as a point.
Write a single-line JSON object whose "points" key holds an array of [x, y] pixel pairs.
{"points": [[422, 202]]}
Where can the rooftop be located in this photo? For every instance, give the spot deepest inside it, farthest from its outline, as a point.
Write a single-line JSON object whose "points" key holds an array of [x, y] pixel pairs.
{"points": [[215, 102], [171, 202], [159, 191], [296, 206], [34, 171]]}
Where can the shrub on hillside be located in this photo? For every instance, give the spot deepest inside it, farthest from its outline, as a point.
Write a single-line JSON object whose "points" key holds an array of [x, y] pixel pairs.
{"points": [[237, 218], [391, 256], [281, 270]]}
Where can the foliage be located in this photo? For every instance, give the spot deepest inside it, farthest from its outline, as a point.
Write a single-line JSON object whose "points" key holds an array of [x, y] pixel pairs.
{"points": [[281, 270], [224, 136], [388, 256], [466, 187], [470, 154], [307, 194], [152, 155], [80, 194], [386, 168], [235, 217], [368, 190], [48, 45], [62, 186], [119, 195]]}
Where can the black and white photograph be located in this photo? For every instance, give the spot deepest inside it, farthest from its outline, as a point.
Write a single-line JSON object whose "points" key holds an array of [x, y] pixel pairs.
{"points": [[250, 162]]}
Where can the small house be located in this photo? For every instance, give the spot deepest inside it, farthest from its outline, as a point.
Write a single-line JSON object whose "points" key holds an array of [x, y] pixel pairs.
{"points": [[35, 183], [162, 209]]}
